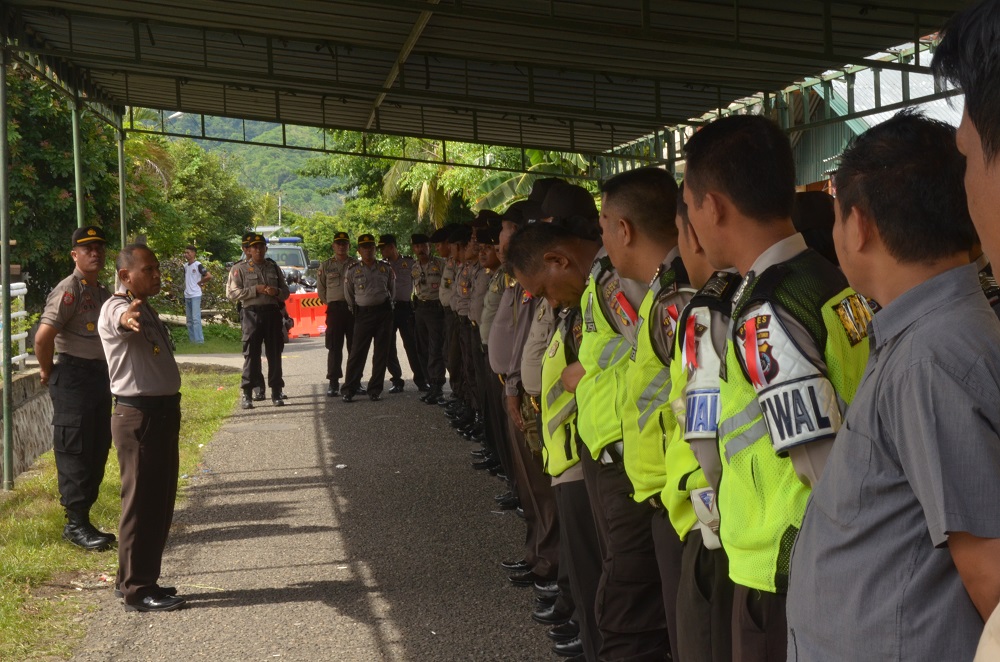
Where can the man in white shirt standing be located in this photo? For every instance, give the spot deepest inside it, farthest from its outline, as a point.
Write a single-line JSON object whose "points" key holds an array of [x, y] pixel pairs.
{"points": [[195, 275]]}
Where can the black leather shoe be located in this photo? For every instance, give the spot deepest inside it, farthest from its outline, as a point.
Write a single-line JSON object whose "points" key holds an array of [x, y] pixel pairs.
{"points": [[546, 587], [375, 397], [545, 600], [424, 387], [157, 603], [258, 393], [519, 512], [278, 398], [333, 390], [348, 396], [509, 504], [165, 590], [83, 534], [565, 632], [526, 579], [570, 648], [480, 453], [361, 391], [550, 616], [246, 402], [506, 495], [519, 565], [397, 387], [486, 463]]}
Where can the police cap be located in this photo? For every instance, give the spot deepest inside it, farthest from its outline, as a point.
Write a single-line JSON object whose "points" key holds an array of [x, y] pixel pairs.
{"points": [[441, 234], [419, 238], [251, 238], [87, 235], [541, 188], [488, 236], [523, 212], [386, 240], [461, 234], [366, 239], [565, 200], [341, 236]]}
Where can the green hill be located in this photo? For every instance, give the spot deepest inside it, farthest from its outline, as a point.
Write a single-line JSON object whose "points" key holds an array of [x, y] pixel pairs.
{"points": [[268, 170]]}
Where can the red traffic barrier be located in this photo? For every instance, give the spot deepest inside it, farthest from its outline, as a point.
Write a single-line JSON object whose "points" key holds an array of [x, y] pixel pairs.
{"points": [[308, 313]]}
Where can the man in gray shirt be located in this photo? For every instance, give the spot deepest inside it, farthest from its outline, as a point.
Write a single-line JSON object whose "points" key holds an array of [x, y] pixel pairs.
{"points": [[145, 426], [368, 289], [897, 556]]}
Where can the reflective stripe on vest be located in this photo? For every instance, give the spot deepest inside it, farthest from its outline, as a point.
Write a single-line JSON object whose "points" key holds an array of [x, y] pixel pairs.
{"points": [[648, 420], [600, 395], [559, 440]]}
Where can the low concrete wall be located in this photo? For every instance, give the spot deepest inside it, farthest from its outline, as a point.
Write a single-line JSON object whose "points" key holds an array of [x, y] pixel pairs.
{"points": [[32, 420]]}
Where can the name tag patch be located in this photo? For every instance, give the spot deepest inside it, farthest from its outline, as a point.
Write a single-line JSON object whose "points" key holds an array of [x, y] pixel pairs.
{"points": [[800, 411], [702, 418]]}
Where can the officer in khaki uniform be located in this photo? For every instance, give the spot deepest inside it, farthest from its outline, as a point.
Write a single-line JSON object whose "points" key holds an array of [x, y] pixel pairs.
{"points": [[259, 285], [339, 319], [427, 274], [146, 425], [78, 386], [402, 315], [368, 290]]}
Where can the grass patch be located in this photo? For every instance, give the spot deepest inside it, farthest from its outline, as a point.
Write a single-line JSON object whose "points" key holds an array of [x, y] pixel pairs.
{"points": [[44, 582], [219, 339]]}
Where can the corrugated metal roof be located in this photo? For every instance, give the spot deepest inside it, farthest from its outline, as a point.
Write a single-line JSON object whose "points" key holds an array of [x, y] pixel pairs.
{"points": [[571, 75]]}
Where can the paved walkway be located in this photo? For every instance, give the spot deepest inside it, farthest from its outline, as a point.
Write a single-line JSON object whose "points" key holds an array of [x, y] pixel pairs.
{"points": [[332, 531]]}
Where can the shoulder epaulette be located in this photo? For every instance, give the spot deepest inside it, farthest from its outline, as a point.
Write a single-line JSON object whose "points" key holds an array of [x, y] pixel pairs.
{"points": [[601, 267]]}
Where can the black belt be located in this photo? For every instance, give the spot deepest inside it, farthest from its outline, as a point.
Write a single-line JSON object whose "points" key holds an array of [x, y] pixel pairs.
{"points": [[428, 302], [149, 401], [263, 307], [69, 359]]}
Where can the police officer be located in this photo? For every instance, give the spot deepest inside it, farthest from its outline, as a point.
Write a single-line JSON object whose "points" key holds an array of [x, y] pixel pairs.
{"points": [[260, 287], [339, 319], [78, 386], [402, 315], [146, 424], [427, 273], [368, 290]]}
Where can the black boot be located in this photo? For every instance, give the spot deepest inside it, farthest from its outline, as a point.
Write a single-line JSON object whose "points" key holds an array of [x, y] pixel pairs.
{"points": [[246, 400], [82, 533]]}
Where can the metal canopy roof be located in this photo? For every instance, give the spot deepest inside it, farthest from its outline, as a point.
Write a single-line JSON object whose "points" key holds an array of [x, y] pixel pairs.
{"points": [[570, 75]]}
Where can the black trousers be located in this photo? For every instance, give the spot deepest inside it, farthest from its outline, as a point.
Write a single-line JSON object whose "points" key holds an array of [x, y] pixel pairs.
{"points": [[339, 328], [497, 422], [704, 603], [262, 325], [429, 317], [81, 429], [630, 610], [578, 538], [760, 626], [453, 352], [669, 550], [465, 339], [147, 441], [371, 324], [404, 324]]}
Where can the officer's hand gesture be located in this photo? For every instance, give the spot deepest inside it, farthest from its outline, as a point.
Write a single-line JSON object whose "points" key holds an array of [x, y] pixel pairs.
{"points": [[130, 318]]}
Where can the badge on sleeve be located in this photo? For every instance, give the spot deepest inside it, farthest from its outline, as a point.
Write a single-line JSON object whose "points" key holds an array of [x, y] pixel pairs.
{"points": [[68, 298], [761, 364]]}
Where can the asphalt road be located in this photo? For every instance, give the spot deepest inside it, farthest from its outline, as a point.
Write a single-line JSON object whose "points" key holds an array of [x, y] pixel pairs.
{"points": [[332, 531]]}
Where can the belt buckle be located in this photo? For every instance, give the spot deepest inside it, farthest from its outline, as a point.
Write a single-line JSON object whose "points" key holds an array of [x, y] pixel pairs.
{"points": [[535, 404]]}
